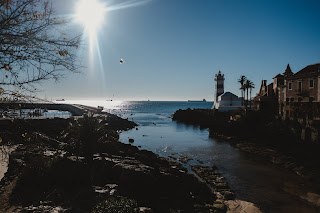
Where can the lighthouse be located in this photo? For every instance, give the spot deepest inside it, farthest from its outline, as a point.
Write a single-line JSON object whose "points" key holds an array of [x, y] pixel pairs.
{"points": [[219, 79], [224, 101]]}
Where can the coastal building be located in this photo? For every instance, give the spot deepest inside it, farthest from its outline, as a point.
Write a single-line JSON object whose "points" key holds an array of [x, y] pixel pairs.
{"points": [[219, 87], [227, 102], [296, 97], [266, 99], [224, 101]]}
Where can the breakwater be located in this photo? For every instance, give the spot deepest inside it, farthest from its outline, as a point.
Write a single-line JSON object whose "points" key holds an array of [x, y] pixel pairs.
{"points": [[74, 109]]}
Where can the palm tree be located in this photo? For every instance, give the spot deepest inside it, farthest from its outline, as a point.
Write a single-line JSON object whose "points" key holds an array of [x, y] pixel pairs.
{"points": [[249, 85], [242, 80]]}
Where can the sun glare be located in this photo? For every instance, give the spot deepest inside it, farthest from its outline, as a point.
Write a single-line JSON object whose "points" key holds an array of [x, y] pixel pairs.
{"points": [[90, 13]]}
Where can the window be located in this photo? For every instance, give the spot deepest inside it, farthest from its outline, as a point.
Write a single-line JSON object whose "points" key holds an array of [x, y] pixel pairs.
{"points": [[311, 83], [290, 85], [299, 86], [287, 99], [299, 99], [291, 99], [311, 99]]}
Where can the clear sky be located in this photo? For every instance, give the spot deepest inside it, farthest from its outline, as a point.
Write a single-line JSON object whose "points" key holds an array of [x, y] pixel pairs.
{"points": [[173, 48]]}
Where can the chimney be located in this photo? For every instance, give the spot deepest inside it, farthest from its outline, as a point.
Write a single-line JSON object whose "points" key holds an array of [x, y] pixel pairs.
{"points": [[264, 83]]}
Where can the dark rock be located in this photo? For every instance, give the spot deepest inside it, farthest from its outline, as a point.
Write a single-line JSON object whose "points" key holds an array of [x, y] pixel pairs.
{"points": [[64, 177], [145, 210]]}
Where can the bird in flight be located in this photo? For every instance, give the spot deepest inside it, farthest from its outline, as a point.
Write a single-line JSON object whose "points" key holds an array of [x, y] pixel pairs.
{"points": [[122, 61]]}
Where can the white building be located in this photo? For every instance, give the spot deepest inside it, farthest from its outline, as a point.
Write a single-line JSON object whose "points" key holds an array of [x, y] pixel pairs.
{"points": [[224, 101]]}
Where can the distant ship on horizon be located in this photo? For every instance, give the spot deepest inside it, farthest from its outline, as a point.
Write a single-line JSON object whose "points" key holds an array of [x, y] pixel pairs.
{"points": [[60, 99], [203, 100]]}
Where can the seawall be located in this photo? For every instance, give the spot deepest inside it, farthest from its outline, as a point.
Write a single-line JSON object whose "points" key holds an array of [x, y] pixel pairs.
{"points": [[74, 109]]}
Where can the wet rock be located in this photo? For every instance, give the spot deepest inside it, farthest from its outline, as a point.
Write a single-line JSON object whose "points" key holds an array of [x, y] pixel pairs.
{"points": [[222, 185], [219, 207], [107, 190], [101, 190], [114, 192], [239, 206], [145, 210], [200, 161], [184, 159], [312, 198], [216, 181], [45, 209], [172, 157], [227, 194]]}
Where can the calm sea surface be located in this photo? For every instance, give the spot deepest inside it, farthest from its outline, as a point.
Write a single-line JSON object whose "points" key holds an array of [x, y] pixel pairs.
{"points": [[251, 180]]}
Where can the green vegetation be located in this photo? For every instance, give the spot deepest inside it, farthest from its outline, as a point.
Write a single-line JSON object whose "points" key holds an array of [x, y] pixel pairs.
{"points": [[117, 204]]}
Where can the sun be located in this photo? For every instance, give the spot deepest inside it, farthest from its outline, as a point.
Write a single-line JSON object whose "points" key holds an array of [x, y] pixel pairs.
{"points": [[90, 13]]}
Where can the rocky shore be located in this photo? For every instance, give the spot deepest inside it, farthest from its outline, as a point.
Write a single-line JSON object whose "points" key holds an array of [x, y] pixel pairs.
{"points": [[264, 139], [78, 165]]}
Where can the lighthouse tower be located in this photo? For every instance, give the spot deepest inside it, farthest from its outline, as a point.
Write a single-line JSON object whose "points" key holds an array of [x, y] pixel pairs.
{"points": [[219, 79]]}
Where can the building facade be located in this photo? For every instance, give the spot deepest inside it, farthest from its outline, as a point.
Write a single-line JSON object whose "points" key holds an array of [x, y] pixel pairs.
{"points": [[297, 90], [294, 96]]}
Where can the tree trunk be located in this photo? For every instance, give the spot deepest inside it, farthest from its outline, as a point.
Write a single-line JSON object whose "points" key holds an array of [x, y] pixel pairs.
{"points": [[243, 96], [247, 96], [250, 97]]}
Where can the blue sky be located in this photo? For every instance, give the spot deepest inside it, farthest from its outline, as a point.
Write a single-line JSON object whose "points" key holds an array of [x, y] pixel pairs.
{"points": [[173, 48]]}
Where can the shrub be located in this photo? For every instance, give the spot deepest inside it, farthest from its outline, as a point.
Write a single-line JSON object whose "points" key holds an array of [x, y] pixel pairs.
{"points": [[117, 205]]}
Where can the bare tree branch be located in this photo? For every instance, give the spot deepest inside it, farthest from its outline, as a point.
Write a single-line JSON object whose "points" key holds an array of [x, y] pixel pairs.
{"points": [[32, 47]]}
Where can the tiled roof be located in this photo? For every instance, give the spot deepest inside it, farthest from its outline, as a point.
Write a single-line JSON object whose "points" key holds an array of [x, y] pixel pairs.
{"points": [[278, 76], [229, 94], [313, 69]]}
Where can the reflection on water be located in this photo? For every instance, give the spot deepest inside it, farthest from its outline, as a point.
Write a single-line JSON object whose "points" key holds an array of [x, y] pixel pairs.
{"points": [[251, 180]]}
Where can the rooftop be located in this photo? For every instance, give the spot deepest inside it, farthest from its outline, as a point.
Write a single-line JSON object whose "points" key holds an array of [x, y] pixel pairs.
{"points": [[311, 69]]}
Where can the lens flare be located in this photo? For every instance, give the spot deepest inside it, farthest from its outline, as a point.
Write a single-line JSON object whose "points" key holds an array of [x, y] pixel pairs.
{"points": [[90, 13]]}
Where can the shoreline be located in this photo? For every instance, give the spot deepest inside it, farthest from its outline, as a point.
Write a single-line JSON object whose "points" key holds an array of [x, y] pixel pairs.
{"points": [[310, 192], [134, 171]]}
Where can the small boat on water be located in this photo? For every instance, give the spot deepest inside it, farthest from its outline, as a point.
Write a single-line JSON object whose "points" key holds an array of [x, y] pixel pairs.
{"points": [[60, 99], [203, 100]]}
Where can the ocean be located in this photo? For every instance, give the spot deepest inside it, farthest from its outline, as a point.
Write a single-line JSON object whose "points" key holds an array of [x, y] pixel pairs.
{"points": [[156, 131]]}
